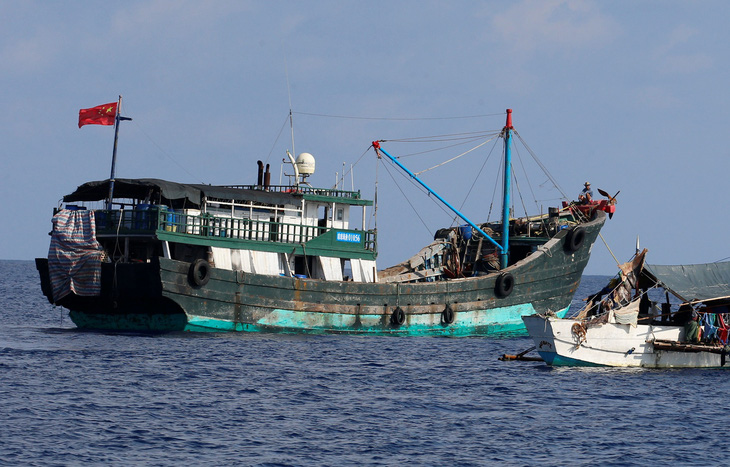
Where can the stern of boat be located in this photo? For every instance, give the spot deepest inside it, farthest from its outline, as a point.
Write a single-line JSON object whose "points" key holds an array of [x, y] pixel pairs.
{"points": [[129, 299]]}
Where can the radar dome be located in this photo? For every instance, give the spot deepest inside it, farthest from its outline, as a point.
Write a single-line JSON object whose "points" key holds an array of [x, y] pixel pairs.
{"points": [[305, 164]]}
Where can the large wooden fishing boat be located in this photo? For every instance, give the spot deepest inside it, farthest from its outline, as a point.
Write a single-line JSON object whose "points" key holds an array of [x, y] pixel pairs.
{"points": [[165, 256]]}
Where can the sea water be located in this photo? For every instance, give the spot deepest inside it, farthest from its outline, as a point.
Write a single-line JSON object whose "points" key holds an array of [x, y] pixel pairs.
{"points": [[70, 397]]}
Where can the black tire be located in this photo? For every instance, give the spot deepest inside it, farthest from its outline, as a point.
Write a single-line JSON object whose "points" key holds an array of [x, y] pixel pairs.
{"points": [[442, 233], [199, 273], [575, 238], [398, 317], [448, 315], [505, 284]]}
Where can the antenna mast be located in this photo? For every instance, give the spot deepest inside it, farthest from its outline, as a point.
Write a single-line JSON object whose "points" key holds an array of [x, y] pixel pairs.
{"points": [[291, 116]]}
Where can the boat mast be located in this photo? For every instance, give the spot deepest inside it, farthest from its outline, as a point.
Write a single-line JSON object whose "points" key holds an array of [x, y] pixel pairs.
{"points": [[117, 119], [504, 254], [114, 155]]}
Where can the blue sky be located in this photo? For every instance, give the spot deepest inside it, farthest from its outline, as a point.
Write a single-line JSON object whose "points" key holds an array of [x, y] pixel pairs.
{"points": [[631, 95]]}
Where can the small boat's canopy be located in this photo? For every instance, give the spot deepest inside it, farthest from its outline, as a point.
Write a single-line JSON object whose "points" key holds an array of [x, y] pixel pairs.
{"points": [[693, 282]]}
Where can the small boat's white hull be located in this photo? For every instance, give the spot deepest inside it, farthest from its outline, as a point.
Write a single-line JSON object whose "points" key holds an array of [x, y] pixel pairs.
{"points": [[615, 345]]}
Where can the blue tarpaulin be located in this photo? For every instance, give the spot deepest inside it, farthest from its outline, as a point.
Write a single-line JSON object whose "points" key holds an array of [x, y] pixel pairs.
{"points": [[694, 282]]}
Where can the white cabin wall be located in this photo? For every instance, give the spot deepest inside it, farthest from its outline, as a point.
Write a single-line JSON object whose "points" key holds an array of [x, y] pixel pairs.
{"points": [[222, 258], [311, 213], [257, 262], [364, 270], [329, 268], [343, 223]]}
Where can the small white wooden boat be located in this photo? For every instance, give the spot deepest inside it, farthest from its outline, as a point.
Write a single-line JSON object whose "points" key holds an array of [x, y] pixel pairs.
{"points": [[630, 335], [566, 342]]}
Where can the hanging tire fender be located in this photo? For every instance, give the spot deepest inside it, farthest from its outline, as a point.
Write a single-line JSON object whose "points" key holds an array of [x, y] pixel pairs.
{"points": [[398, 317], [575, 238], [505, 284], [448, 315], [199, 273]]}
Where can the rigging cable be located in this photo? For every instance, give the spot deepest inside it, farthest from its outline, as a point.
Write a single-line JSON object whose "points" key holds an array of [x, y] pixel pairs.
{"points": [[281, 130], [374, 216], [408, 200], [609, 248], [134, 122], [519, 192], [494, 192], [352, 117], [476, 178], [516, 182], [529, 184], [352, 167], [288, 90], [454, 158], [421, 189], [544, 169], [463, 142], [445, 137]]}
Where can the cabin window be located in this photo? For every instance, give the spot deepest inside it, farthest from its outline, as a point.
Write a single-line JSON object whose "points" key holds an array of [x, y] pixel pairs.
{"points": [[340, 214]]}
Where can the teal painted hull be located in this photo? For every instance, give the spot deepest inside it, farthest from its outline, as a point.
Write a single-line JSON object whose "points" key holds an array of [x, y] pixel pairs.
{"points": [[505, 322], [500, 323], [553, 359]]}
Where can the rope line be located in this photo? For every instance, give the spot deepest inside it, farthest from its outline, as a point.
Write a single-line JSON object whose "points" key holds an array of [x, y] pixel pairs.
{"points": [[163, 151], [529, 184], [454, 158], [539, 163], [277, 138], [355, 117], [352, 167], [494, 192], [476, 178], [445, 137], [406, 198], [471, 140]]}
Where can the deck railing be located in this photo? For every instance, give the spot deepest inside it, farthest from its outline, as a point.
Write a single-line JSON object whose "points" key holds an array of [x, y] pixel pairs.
{"points": [[304, 189], [148, 221]]}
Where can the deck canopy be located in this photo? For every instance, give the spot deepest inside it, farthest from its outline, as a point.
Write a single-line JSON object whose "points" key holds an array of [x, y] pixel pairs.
{"points": [[694, 282], [225, 193], [175, 194]]}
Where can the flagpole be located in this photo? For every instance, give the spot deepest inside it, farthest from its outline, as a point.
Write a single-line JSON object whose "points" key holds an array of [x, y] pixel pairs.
{"points": [[114, 154]]}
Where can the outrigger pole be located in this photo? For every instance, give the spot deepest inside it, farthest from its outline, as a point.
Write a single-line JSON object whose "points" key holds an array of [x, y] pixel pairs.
{"points": [[117, 119], [504, 247], [378, 150]]}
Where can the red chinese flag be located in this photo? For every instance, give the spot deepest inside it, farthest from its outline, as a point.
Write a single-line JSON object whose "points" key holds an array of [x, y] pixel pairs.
{"points": [[99, 115]]}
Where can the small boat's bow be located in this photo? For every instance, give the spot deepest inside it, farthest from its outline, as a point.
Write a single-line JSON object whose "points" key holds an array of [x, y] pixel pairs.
{"points": [[540, 329]]}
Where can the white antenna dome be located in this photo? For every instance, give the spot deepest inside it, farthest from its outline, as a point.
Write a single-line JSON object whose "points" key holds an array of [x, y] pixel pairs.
{"points": [[305, 164]]}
